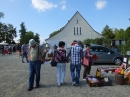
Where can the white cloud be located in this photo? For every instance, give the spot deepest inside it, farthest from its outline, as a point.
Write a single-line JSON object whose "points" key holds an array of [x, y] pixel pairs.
{"points": [[63, 4], [100, 4], [43, 5]]}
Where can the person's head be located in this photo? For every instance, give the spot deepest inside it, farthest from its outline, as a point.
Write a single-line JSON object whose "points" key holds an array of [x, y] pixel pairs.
{"points": [[79, 43], [74, 40], [61, 44], [88, 46], [32, 43]]}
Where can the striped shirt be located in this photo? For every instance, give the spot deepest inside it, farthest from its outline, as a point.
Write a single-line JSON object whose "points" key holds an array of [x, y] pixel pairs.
{"points": [[76, 54]]}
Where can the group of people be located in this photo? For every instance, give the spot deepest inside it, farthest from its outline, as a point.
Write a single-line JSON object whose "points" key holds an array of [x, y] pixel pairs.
{"points": [[7, 49], [76, 57]]}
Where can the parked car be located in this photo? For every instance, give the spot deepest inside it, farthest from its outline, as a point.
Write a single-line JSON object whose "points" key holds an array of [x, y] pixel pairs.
{"points": [[106, 55]]}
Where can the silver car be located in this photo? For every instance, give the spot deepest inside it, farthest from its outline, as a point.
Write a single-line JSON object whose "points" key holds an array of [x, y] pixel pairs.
{"points": [[106, 55]]}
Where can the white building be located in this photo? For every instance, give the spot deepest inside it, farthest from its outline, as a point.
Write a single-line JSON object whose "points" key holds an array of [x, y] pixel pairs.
{"points": [[77, 28]]}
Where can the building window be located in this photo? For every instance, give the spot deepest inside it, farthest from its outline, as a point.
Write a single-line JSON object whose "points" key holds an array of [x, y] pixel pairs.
{"points": [[80, 30], [74, 30], [77, 21], [77, 30]]}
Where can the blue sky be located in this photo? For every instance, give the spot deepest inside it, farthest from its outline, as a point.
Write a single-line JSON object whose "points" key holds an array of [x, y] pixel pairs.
{"points": [[46, 16]]}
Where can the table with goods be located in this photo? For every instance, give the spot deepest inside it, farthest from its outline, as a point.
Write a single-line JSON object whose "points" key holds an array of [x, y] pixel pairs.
{"points": [[106, 75]]}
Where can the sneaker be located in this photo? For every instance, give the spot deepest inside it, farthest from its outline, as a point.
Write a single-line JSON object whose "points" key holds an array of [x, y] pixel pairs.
{"points": [[74, 84], [84, 79], [30, 88], [58, 85], [62, 83], [37, 86]]}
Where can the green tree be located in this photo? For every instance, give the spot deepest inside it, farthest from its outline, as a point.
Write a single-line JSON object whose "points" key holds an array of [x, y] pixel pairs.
{"points": [[23, 33], [7, 33], [36, 38], [87, 41], [29, 35], [107, 32], [12, 33], [127, 34], [120, 34], [54, 33], [1, 15]]}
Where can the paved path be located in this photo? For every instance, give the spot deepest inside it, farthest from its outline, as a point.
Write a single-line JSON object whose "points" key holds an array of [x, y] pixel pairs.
{"points": [[14, 82]]}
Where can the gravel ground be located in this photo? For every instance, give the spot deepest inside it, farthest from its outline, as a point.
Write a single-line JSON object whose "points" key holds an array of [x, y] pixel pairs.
{"points": [[14, 82]]}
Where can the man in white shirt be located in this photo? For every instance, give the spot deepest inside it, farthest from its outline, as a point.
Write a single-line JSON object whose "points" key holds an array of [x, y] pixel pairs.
{"points": [[36, 53]]}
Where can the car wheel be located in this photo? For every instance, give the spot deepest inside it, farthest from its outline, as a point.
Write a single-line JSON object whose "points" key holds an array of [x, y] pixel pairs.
{"points": [[118, 61]]}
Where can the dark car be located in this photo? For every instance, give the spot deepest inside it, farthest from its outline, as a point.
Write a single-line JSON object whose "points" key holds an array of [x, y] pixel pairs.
{"points": [[106, 55]]}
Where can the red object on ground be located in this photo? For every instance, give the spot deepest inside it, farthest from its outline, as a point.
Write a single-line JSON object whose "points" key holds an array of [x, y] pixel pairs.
{"points": [[6, 51], [117, 71]]}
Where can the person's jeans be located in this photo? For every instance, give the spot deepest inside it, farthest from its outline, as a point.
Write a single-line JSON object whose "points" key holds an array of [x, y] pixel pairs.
{"points": [[75, 77], [61, 70], [34, 69], [24, 54]]}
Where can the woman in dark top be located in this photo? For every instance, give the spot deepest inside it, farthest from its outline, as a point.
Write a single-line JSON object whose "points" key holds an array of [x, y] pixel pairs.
{"points": [[87, 61], [60, 57]]}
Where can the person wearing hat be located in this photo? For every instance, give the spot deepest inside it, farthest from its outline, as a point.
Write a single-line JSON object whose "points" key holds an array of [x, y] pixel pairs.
{"points": [[35, 52]]}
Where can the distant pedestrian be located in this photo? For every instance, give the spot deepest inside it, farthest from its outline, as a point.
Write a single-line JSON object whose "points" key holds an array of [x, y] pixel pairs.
{"points": [[76, 56], [55, 47], [24, 53], [2, 48], [60, 57], [19, 50], [36, 53], [87, 62]]}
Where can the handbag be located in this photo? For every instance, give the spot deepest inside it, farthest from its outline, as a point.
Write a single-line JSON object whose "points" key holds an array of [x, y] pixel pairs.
{"points": [[53, 63], [86, 61]]}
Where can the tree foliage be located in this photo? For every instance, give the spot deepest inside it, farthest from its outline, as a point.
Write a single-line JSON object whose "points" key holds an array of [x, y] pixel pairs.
{"points": [[100, 41], [54, 33], [22, 32], [1, 15], [120, 34], [108, 32], [127, 34], [28, 36], [36, 38], [7, 33], [25, 36]]}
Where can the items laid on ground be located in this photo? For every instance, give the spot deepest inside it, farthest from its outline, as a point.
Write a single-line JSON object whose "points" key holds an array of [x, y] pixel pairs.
{"points": [[100, 79], [95, 81]]}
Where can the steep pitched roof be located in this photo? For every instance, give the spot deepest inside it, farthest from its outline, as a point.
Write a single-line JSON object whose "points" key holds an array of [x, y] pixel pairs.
{"points": [[70, 20]]}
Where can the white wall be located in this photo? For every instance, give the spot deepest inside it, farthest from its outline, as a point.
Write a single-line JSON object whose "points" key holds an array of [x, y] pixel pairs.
{"points": [[67, 33]]}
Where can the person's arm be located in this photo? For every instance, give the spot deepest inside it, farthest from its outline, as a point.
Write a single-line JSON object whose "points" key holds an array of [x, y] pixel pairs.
{"points": [[22, 48], [69, 53], [81, 55], [29, 48], [86, 54]]}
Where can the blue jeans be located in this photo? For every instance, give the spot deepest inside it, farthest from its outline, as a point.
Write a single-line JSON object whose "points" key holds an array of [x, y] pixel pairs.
{"points": [[24, 54], [61, 70], [75, 77], [34, 69]]}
